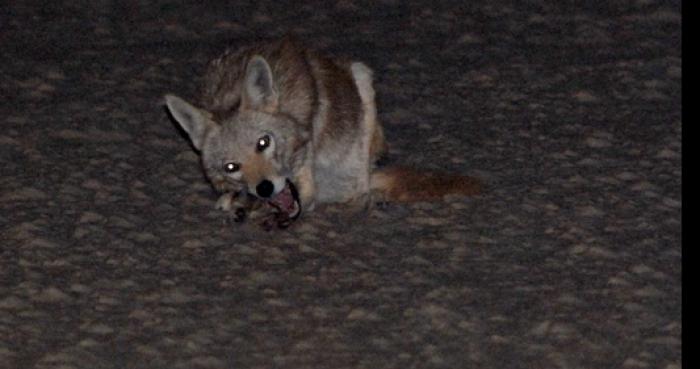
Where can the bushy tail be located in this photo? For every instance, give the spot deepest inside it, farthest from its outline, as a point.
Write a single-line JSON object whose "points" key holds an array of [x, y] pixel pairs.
{"points": [[408, 185]]}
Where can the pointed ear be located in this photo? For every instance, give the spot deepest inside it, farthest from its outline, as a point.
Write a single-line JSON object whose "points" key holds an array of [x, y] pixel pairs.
{"points": [[194, 121], [259, 92]]}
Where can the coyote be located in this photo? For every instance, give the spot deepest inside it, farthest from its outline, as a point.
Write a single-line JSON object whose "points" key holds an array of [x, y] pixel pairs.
{"points": [[282, 128]]}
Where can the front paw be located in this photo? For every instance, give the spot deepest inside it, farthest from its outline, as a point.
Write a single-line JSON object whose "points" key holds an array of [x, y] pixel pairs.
{"points": [[225, 202], [249, 207], [242, 206], [277, 219], [239, 215]]}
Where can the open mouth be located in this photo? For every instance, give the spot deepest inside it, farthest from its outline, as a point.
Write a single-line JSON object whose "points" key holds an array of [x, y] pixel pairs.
{"points": [[287, 201]]}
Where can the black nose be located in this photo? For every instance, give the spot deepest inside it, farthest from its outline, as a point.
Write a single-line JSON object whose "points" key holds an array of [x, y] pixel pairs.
{"points": [[265, 188]]}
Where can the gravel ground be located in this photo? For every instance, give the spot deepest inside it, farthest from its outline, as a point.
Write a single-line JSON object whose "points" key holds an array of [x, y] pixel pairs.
{"points": [[112, 255]]}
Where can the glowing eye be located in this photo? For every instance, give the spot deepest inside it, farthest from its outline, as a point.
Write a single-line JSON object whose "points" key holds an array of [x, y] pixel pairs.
{"points": [[263, 143], [231, 167]]}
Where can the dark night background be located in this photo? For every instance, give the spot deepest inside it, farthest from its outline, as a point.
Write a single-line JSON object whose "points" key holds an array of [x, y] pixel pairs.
{"points": [[113, 257]]}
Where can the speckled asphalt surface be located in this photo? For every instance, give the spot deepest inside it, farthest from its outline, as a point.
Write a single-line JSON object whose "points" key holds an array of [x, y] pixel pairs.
{"points": [[112, 255]]}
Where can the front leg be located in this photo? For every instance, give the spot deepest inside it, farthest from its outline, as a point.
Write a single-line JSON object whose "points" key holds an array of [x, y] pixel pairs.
{"points": [[307, 188]]}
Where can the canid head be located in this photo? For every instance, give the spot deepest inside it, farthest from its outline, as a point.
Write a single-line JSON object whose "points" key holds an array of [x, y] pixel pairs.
{"points": [[254, 148]]}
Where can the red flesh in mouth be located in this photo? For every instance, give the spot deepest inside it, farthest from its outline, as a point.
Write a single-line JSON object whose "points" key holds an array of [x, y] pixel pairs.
{"points": [[286, 201]]}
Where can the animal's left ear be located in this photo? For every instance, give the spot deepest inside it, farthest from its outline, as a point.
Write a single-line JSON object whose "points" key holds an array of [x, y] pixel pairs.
{"points": [[259, 92]]}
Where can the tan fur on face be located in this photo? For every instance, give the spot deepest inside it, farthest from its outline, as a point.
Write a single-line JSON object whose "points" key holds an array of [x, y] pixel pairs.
{"points": [[256, 168]]}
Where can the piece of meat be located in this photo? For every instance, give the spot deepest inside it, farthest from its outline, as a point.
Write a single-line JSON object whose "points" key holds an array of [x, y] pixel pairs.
{"points": [[288, 207]]}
